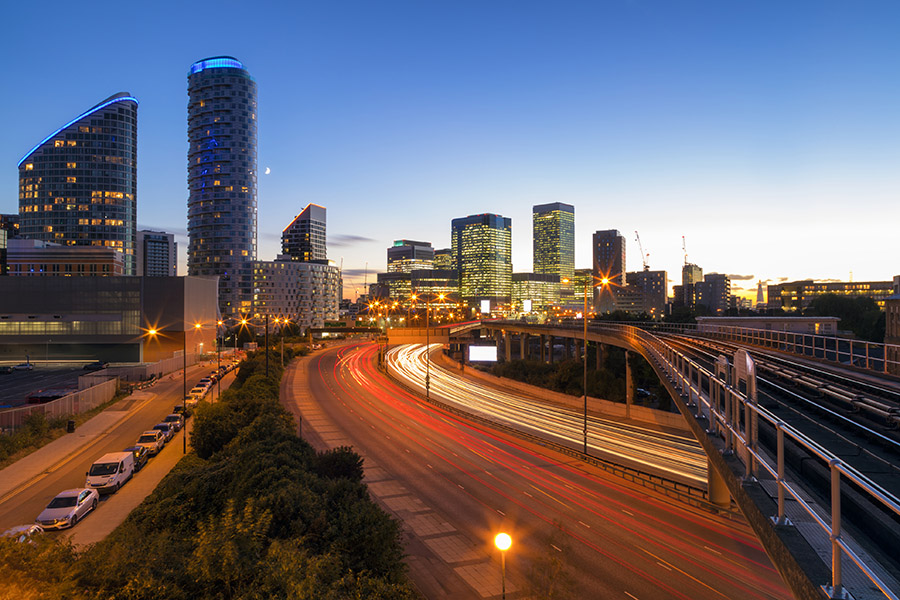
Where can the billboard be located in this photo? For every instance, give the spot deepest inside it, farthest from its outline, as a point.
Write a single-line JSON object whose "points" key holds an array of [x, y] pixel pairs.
{"points": [[526, 306], [482, 353], [485, 307]]}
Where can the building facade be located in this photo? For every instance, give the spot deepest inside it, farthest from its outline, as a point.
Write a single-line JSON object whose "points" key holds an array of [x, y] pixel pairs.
{"points": [[714, 292], [651, 289], [443, 259], [304, 239], [222, 179], [406, 256], [157, 254], [798, 295], [608, 252], [78, 186], [34, 258], [105, 318], [306, 293], [535, 293], [553, 243], [482, 253]]}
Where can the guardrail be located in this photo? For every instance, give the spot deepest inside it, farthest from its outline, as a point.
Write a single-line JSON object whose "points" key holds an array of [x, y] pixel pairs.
{"points": [[880, 358], [73, 404], [731, 408]]}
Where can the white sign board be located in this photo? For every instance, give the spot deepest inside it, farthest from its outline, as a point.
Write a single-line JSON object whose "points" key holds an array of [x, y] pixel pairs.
{"points": [[482, 353], [526, 305], [485, 307]]}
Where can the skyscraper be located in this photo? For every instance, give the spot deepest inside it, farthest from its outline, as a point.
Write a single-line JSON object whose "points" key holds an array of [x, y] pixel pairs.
{"points": [[222, 179], [554, 239], [78, 186], [406, 256], [609, 263], [304, 239], [482, 253]]}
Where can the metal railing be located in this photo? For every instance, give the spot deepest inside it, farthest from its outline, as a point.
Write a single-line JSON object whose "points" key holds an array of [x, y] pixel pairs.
{"points": [[73, 404], [727, 398]]}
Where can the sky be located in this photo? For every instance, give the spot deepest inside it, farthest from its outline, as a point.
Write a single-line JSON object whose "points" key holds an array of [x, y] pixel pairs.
{"points": [[765, 133]]}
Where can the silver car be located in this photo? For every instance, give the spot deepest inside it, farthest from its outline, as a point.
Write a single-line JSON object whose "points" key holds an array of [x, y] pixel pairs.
{"points": [[152, 440], [68, 508], [167, 430]]}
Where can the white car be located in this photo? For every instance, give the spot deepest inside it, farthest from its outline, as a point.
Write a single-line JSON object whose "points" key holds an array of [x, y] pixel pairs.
{"points": [[24, 367], [152, 440], [23, 533], [68, 508]]}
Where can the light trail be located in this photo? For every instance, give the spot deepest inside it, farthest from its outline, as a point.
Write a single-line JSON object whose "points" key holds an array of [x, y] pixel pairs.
{"points": [[667, 455]]}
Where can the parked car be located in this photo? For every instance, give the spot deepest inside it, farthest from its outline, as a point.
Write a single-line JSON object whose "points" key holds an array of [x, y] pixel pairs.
{"points": [[67, 508], [152, 440], [24, 367], [198, 392], [141, 456], [110, 472], [96, 366], [6, 370], [176, 420], [179, 409], [23, 533], [205, 382], [167, 429]]}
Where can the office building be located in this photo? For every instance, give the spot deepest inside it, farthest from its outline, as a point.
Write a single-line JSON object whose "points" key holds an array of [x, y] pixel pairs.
{"points": [[535, 293], [10, 223], [406, 256], [304, 292], [443, 259], [685, 295], [798, 295], [608, 250], [157, 254], [714, 292], [304, 239], [105, 318], [78, 186], [34, 258], [892, 328], [553, 243], [222, 177], [482, 253], [650, 288]]}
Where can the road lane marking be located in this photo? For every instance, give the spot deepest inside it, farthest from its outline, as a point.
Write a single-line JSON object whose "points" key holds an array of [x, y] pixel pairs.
{"points": [[630, 514], [585, 524], [631, 596]]}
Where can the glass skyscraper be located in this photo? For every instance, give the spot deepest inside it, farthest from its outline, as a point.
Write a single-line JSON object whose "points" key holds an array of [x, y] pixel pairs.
{"points": [[304, 240], [78, 186], [553, 233], [482, 253], [222, 174], [609, 263]]}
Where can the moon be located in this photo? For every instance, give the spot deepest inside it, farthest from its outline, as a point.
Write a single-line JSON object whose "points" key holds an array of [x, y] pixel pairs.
{"points": [[268, 170]]}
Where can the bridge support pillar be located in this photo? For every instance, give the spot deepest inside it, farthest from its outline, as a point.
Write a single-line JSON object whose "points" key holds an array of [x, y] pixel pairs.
{"points": [[550, 340], [507, 346], [543, 348], [601, 348], [523, 345], [567, 348], [718, 490], [629, 386]]}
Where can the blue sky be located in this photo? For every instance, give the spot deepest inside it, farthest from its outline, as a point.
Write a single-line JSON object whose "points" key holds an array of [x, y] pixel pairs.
{"points": [[766, 133]]}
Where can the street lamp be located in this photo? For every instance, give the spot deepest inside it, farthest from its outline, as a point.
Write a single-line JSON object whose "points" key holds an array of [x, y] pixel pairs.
{"points": [[219, 359], [428, 346], [503, 542]]}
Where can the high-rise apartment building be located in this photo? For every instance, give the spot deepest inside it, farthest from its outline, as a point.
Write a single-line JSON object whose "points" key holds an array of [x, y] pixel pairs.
{"points": [[686, 295], [714, 292], [222, 227], [305, 292], [78, 186], [304, 239], [406, 256], [157, 254], [608, 249], [482, 252], [651, 288]]}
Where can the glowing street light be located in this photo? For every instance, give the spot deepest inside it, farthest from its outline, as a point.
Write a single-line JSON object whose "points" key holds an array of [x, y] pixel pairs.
{"points": [[503, 543]]}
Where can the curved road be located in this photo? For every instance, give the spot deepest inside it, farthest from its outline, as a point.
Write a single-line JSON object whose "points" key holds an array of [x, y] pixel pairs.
{"points": [[454, 484]]}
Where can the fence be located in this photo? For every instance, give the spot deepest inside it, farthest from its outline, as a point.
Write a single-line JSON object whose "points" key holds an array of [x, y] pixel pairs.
{"points": [[73, 404]]}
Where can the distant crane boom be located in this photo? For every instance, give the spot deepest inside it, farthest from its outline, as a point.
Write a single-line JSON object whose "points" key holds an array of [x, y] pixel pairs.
{"points": [[684, 248], [644, 256]]}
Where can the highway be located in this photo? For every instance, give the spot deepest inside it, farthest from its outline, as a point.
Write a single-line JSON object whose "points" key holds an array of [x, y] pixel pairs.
{"points": [[609, 538], [126, 420], [672, 456]]}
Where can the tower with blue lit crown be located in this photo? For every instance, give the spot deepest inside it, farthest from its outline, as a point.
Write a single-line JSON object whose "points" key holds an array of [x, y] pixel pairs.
{"points": [[222, 178]]}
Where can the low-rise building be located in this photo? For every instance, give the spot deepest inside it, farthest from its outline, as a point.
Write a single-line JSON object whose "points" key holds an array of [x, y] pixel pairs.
{"points": [[305, 292], [798, 295], [36, 258]]}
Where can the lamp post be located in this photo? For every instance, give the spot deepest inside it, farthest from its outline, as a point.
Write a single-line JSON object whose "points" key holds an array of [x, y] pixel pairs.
{"points": [[503, 542], [267, 344], [219, 360]]}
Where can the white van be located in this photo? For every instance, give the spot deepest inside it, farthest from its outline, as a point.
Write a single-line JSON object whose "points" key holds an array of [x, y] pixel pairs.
{"points": [[110, 472]]}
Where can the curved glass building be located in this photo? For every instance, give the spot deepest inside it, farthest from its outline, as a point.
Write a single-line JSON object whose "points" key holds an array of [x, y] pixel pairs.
{"points": [[222, 179], [78, 186]]}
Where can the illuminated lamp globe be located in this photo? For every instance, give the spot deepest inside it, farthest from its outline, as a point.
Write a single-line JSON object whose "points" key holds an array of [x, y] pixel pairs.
{"points": [[503, 541]]}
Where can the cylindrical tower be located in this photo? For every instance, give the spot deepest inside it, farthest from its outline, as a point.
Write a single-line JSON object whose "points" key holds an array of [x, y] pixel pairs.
{"points": [[222, 179], [78, 186]]}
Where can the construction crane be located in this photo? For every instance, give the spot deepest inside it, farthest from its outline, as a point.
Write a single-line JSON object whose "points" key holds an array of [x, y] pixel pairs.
{"points": [[684, 248], [641, 248]]}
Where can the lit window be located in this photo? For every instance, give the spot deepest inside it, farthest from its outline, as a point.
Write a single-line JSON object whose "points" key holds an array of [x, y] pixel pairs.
{"points": [[29, 167], [71, 165], [58, 143], [70, 180]]}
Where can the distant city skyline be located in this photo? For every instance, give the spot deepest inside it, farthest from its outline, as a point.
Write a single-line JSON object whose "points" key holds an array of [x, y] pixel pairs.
{"points": [[766, 134]]}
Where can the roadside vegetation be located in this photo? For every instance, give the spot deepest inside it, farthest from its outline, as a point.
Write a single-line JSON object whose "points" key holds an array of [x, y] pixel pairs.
{"points": [[607, 382], [254, 512]]}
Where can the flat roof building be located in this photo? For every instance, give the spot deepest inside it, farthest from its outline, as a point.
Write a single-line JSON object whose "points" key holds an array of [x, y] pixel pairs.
{"points": [[304, 239], [78, 186], [608, 252], [482, 252], [406, 256], [34, 258], [798, 295], [157, 254]]}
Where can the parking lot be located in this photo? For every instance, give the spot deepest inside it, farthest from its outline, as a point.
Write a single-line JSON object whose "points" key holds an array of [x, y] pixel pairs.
{"points": [[15, 387]]}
